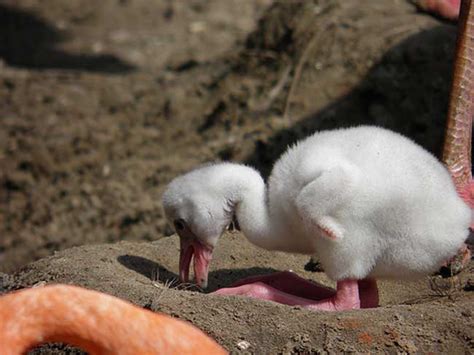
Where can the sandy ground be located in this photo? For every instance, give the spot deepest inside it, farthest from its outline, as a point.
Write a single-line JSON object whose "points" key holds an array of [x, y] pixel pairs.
{"points": [[102, 104], [422, 316]]}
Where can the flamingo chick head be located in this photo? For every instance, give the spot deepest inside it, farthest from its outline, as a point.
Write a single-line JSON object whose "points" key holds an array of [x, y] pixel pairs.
{"points": [[196, 206]]}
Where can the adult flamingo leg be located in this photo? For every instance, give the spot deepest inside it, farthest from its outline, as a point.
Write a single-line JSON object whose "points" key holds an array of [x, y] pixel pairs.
{"points": [[457, 145]]}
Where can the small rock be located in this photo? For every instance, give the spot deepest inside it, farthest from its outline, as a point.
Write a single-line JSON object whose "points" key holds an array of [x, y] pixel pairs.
{"points": [[86, 188], [106, 170], [120, 36], [197, 27], [61, 25], [98, 47], [243, 345], [398, 317], [75, 202], [39, 284]]}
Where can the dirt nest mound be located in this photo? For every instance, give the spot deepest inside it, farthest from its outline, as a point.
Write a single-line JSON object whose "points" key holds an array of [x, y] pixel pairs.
{"points": [[414, 317]]}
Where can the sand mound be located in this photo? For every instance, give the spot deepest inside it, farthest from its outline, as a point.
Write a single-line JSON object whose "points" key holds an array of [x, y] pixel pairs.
{"points": [[413, 316]]}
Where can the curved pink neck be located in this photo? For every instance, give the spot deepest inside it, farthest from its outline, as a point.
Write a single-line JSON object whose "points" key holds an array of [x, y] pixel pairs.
{"points": [[96, 322], [457, 145]]}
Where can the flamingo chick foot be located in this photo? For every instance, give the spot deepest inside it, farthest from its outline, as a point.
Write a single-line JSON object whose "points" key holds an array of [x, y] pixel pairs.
{"points": [[347, 296]]}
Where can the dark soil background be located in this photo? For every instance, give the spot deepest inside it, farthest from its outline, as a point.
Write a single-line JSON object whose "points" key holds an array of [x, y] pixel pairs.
{"points": [[103, 103]]}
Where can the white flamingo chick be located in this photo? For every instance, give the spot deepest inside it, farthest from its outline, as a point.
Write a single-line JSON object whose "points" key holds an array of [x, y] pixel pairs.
{"points": [[367, 202]]}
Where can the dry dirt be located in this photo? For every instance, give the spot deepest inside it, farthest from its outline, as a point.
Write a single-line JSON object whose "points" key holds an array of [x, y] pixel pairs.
{"points": [[103, 103], [416, 317]]}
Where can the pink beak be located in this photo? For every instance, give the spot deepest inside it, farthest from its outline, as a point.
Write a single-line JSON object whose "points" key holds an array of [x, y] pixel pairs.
{"points": [[191, 246]]}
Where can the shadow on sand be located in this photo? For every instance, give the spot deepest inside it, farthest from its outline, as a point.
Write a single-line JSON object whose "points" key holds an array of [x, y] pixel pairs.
{"points": [[28, 41], [217, 279], [407, 91]]}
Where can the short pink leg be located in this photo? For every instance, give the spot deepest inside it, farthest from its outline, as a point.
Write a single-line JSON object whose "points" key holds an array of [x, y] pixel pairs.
{"points": [[345, 298], [289, 282]]}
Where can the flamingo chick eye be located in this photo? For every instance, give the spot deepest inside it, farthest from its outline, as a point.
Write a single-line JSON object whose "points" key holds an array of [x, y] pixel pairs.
{"points": [[179, 224]]}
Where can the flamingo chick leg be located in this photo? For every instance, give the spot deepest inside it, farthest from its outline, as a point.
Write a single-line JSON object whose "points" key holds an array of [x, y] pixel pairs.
{"points": [[290, 283], [345, 298]]}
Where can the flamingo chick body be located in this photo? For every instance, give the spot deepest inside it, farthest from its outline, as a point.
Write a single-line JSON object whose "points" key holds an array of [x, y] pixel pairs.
{"points": [[96, 322], [367, 202]]}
